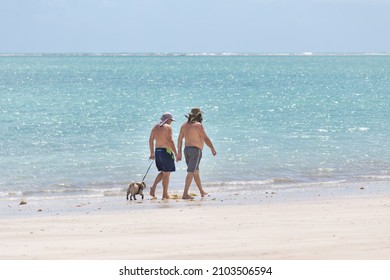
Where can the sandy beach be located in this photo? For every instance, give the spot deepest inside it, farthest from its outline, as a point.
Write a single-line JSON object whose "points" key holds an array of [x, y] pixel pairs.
{"points": [[346, 228]]}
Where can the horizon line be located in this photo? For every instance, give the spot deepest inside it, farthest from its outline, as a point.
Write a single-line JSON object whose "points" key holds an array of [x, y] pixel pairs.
{"points": [[306, 53]]}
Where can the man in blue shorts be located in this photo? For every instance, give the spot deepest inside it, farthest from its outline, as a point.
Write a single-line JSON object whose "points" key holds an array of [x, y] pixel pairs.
{"points": [[195, 137], [163, 151]]}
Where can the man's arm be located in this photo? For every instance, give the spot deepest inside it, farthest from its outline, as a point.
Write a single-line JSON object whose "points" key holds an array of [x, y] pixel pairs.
{"points": [[207, 140], [170, 141], [151, 144], [180, 144]]}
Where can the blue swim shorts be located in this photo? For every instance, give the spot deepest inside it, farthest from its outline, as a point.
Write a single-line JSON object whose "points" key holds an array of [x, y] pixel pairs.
{"points": [[165, 160]]}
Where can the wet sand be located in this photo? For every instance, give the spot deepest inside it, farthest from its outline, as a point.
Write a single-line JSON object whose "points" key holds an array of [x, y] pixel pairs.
{"points": [[343, 228]]}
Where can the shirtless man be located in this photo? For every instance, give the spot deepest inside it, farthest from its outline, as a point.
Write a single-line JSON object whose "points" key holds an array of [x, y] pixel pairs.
{"points": [[163, 152], [195, 138]]}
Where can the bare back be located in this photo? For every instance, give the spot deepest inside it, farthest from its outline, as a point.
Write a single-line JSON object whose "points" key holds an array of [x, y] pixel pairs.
{"points": [[194, 134], [162, 136]]}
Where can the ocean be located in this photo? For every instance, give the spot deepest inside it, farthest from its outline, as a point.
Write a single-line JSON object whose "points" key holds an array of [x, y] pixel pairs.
{"points": [[77, 126]]}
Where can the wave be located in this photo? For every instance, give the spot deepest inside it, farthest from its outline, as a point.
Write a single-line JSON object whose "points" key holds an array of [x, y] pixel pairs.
{"points": [[374, 177], [267, 186], [191, 54], [8, 194], [293, 185], [65, 191]]}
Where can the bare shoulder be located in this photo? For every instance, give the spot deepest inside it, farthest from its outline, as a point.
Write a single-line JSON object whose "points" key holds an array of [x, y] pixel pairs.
{"points": [[153, 130], [198, 125], [167, 129], [195, 124], [184, 126]]}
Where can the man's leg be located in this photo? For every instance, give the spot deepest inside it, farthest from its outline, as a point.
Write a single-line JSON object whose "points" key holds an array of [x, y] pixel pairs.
{"points": [[199, 183], [165, 183], [158, 179], [190, 176]]}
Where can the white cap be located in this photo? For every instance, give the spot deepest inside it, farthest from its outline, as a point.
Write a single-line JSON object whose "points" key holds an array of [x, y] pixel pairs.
{"points": [[165, 117]]}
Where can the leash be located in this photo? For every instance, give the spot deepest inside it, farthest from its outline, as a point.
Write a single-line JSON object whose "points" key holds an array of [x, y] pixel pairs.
{"points": [[147, 171]]}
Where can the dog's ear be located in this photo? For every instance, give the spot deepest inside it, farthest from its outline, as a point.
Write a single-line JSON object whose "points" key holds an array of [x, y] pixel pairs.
{"points": [[143, 185]]}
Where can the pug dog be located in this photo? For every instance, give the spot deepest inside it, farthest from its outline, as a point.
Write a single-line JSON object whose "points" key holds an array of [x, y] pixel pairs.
{"points": [[134, 189]]}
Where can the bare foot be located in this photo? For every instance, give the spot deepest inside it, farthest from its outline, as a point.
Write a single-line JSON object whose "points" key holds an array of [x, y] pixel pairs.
{"points": [[165, 197], [203, 194], [187, 197], [152, 192]]}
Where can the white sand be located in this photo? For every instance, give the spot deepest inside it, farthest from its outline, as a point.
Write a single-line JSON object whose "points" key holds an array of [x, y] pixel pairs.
{"points": [[348, 228]]}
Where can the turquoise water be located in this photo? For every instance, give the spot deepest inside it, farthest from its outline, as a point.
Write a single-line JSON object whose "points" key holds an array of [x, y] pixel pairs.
{"points": [[79, 125]]}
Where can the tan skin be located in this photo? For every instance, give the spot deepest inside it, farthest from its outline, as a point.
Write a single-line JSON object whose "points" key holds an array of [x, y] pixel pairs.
{"points": [[194, 135], [161, 137]]}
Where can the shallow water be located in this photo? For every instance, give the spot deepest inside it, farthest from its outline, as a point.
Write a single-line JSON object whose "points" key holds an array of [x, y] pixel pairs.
{"points": [[77, 127]]}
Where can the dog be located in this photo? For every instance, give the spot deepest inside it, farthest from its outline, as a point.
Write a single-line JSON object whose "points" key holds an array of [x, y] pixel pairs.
{"points": [[134, 189]]}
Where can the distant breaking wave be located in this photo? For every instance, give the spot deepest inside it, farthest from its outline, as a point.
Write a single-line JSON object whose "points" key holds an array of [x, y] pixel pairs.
{"points": [[192, 54]]}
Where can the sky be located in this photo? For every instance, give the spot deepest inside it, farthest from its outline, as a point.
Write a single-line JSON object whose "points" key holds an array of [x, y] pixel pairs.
{"points": [[194, 26]]}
